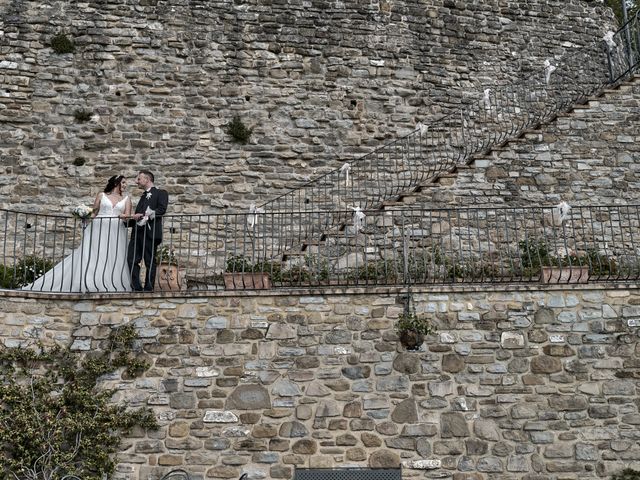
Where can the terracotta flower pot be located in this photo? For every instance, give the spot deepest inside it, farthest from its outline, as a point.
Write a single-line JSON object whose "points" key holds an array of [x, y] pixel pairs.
{"points": [[565, 274], [411, 340], [169, 278], [249, 280]]}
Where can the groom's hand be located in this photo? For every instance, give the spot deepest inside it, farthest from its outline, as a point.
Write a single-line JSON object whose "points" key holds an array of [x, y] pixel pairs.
{"points": [[137, 216]]}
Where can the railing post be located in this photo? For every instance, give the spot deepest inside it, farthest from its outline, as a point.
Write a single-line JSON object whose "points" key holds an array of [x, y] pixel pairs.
{"points": [[405, 252], [627, 35], [609, 63]]}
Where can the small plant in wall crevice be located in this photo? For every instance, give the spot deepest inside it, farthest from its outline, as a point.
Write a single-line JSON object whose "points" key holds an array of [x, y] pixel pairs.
{"points": [[62, 44], [627, 474], [238, 131], [81, 115]]}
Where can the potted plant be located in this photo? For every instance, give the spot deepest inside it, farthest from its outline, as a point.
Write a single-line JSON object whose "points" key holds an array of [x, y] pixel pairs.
{"points": [[169, 278], [565, 268], [242, 273], [412, 329]]}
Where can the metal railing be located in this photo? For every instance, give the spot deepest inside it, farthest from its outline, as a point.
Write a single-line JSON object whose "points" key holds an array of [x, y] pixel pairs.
{"points": [[400, 247], [623, 50], [432, 149]]}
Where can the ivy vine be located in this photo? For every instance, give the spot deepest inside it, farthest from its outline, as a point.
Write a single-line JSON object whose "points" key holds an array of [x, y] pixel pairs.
{"points": [[55, 420]]}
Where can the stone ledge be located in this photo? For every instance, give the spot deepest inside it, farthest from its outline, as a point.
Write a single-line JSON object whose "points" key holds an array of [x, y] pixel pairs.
{"points": [[277, 292]]}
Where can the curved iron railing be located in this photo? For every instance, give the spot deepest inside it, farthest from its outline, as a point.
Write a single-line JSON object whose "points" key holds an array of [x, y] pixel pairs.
{"points": [[623, 49], [177, 474], [502, 113], [399, 247]]}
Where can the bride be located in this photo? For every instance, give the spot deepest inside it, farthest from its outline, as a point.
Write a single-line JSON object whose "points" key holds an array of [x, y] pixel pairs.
{"points": [[99, 264]]}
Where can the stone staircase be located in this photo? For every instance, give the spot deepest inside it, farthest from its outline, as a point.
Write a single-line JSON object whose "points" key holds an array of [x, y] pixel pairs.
{"points": [[426, 194], [436, 192]]}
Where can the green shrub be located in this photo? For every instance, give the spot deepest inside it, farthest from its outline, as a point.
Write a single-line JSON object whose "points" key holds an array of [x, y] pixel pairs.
{"points": [[56, 420], [166, 255], [627, 474], [379, 272], [239, 264], [601, 264], [410, 322], [474, 268], [25, 271], [6, 277], [82, 116], [534, 254], [238, 131], [62, 44]]}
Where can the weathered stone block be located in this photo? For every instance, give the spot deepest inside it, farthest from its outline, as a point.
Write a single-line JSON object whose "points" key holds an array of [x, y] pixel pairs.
{"points": [[545, 364], [248, 397], [405, 412], [384, 459], [453, 425], [304, 447]]}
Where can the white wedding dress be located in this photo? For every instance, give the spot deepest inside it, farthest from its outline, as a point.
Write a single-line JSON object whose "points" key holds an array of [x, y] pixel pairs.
{"points": [[99, 264]]}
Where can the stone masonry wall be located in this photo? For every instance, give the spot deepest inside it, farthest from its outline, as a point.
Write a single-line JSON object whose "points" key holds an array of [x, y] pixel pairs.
{"points": [[320, 82], [590, 156], [514, 385]]}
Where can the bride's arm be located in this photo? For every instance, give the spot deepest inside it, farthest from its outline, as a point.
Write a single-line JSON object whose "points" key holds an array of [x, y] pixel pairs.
{"points": [[127, 209], [96, 205]]}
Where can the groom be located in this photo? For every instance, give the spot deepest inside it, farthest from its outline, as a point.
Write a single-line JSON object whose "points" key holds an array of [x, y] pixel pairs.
{"points": [[146, 233]]}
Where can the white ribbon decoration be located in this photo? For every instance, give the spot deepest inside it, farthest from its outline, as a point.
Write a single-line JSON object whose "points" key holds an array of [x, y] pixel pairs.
{"points": [[487, 99], [608, 38], [548, 70], [561, 212], [148, 215], [252, 218], [358, 218], [346, 168], [422, 128]]}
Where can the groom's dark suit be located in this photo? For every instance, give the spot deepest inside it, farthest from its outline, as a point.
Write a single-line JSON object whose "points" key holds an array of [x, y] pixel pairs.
{"points": [[146, 238]]}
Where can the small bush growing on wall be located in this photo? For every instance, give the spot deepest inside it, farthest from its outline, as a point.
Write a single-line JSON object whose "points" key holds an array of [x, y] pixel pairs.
{"points": [[81, 115], [627, 474], [24, 271], [55, 420], [62, 44], [238, 130]]}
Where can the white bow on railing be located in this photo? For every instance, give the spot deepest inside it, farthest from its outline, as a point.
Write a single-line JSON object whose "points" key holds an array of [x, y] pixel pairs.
{"points": [[561, 213], [358, 218], [252, 218], [487, 99], [548, 70], [608, 38], [346, 168], [422, 128], [148, 215]]}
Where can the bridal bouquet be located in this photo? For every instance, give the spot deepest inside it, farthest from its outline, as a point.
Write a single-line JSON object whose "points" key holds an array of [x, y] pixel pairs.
{"points": [[82, 212]]}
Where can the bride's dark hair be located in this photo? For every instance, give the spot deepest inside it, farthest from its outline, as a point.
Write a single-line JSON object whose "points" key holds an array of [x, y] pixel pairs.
{"points": [[113, 183]]}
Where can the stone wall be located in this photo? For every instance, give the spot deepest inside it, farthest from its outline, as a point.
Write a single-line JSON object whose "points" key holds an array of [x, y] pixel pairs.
{"points": [[514, 385], [590, 156], [319, 81]]}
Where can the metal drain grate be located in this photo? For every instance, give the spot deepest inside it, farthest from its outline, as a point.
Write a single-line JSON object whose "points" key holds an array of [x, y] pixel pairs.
{"points": [[348, 474]]}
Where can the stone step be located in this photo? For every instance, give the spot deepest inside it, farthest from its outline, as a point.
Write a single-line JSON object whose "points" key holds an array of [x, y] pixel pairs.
{"points": [[429, 185], [625, 87], [447, 179], [582, 106], [461, 168]]}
